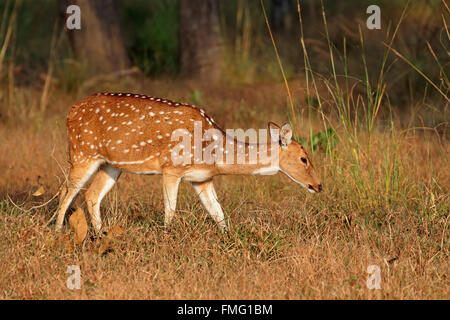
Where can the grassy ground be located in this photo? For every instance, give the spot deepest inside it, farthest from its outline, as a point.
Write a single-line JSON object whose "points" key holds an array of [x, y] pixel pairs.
{"points": [[385, 203]]}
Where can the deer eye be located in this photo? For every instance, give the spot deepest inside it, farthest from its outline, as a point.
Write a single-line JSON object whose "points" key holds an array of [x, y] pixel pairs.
{"points": [[304, 160]]}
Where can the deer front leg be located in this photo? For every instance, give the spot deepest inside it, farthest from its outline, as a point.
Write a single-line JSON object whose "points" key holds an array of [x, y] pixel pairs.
{"points": [[170, 190], [208, 196]]}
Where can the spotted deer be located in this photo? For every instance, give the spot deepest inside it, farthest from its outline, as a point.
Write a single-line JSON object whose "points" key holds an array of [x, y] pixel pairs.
{"points": [[111, 133]]}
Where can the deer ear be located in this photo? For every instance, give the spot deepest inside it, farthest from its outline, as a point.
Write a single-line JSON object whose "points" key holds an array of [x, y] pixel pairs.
{"points": [[274, 131], [286, 135]]}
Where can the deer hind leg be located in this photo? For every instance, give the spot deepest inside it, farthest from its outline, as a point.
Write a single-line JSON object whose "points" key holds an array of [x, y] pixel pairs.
{"points": [[208, 196], [103, 181], [78, 176], [170, 192]]}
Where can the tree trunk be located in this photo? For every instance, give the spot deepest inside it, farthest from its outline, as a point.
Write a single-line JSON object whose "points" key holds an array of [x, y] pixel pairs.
{"points": [[200, 40], [99, 43]]}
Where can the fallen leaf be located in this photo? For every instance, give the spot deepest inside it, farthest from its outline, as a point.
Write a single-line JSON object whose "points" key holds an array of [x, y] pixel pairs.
{"points": [[40, 191], [78, 223]]}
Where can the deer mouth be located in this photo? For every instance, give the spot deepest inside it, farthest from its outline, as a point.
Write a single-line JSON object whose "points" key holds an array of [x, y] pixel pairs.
{"points": [[307, 187], [314, 190]]}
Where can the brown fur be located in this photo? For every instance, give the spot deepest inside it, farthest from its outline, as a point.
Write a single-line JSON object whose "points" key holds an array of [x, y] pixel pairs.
{"points": [[115, 132]]}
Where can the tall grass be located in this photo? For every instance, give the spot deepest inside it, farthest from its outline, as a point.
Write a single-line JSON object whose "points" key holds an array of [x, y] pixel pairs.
{"points": [[385, 198], [356, 116], [291, 103], [7, 32], [19, 103]]}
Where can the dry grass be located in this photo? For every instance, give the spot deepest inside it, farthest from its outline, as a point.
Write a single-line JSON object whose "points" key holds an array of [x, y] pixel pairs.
{"points": [[284, 243]]}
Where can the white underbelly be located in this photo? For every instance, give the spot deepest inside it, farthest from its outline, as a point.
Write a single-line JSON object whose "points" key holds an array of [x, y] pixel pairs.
{"points": [[197, 175]]}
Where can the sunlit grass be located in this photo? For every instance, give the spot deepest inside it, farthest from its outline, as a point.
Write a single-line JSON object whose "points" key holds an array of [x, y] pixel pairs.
{"points": [[385, 201]]}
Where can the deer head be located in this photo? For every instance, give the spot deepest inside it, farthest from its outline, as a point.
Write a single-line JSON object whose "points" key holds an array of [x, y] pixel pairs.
{"points": [[293, 159]]}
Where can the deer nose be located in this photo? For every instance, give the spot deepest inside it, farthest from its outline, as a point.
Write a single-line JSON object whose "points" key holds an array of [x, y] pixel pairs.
{"points": [[318, 189]]}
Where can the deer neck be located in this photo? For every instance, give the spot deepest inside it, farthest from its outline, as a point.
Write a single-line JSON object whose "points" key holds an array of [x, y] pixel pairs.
{"points": [[257, 164]]}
